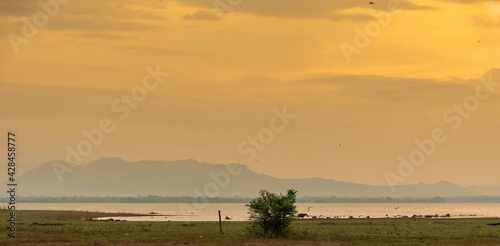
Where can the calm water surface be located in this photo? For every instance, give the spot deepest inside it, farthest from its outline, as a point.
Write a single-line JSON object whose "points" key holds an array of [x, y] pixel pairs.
{"points": [[238, 211]]}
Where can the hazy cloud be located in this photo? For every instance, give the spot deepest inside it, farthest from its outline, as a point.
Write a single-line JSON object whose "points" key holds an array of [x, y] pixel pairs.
{"points": [[470, 1], [78, 15], [485, 22], [159, 51], [101, 35], [397, 92], [202, 15], [351, 17], [19, 8], [99, 24], [53, 101], [303, 9], [111, 8]]}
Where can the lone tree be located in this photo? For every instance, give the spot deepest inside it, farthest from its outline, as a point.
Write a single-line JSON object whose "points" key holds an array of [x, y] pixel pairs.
{"points": [[272, 213]]}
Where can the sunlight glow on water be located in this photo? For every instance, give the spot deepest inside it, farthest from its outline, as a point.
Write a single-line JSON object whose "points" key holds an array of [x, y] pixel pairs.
{"points": [[238, 211]]}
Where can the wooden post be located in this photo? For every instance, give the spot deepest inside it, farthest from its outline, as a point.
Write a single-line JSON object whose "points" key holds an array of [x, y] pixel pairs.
{"points": [[220, 223]]}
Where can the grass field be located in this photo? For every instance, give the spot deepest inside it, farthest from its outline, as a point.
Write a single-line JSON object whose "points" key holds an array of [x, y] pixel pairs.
{"points": [[70, 228]]}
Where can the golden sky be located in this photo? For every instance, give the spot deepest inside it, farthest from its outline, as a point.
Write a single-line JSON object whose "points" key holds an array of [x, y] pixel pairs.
{"points": [[65, 64]]}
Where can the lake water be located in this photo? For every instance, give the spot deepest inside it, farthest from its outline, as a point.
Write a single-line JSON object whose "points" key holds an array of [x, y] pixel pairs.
{"points": [[238, 211]]}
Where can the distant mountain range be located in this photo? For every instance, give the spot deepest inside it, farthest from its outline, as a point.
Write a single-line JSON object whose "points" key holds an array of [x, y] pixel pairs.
{"points": [[117, 177]]}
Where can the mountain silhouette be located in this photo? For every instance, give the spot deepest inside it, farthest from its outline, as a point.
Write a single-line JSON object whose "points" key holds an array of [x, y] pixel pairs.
{"points": [[117, 177]]}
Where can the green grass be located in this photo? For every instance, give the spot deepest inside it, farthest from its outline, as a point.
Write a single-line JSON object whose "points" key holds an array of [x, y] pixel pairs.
{"points": [[70, 228]]}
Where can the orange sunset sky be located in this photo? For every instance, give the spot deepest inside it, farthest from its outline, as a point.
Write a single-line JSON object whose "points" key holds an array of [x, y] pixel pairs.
{"points": [[230, 67]]}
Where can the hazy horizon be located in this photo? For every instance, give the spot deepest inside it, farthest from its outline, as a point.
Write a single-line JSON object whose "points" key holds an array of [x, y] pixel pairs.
{"points": [[343, 90]]}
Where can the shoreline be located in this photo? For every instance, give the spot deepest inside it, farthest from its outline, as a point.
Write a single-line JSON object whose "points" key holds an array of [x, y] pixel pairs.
{"points": [[157, 217], [137, 219]]}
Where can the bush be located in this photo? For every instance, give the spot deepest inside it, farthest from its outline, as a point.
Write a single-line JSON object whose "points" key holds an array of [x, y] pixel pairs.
{"points": [[272, 213]]}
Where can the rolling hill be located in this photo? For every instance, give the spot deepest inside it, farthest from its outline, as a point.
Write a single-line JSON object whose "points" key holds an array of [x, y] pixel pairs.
{"points": [[117, 177]]}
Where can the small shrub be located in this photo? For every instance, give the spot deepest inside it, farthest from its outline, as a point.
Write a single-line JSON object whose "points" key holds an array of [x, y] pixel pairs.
{"points": [[272, 213]]}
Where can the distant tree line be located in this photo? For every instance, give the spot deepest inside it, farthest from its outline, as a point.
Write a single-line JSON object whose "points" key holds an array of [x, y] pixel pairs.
{"points": [[437, 199], [306, 199], [129, 199]]}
